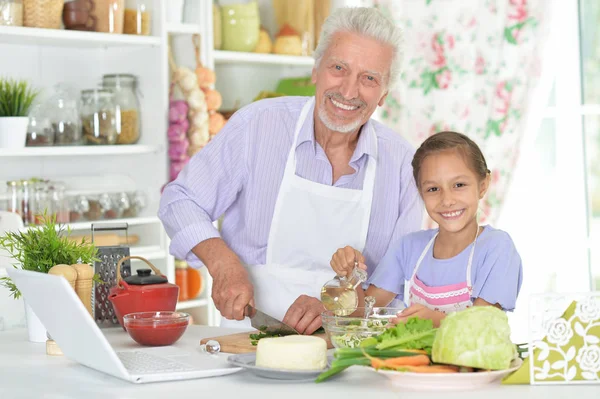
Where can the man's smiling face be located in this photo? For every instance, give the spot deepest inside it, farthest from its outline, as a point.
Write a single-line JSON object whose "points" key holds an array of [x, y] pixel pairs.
{"points": [[351, 81]]}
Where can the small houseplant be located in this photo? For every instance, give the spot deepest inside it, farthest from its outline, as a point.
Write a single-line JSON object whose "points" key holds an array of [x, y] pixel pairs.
{"points": [[16, 98], [38, 249], [41, 247]]}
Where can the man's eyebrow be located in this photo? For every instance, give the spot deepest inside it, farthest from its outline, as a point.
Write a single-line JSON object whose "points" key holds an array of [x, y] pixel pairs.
{"points": [[345, 64], [339, 61], [379, 74]]}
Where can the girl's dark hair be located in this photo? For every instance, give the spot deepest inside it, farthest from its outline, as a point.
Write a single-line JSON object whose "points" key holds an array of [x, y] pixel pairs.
{"points": [[444, 141]]}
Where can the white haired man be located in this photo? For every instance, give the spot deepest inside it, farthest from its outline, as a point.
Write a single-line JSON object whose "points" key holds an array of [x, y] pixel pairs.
{"points": [[296, 178]]}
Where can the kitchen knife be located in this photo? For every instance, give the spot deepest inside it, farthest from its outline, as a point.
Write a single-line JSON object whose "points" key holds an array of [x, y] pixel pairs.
{"points": [[265, 323]]}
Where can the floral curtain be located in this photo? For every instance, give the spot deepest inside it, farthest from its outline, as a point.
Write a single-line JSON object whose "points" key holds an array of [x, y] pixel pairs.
{"points": [[469, 66]]}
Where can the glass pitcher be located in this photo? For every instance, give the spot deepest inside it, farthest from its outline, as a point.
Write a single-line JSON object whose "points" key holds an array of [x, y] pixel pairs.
{"points": [[339, 294]]}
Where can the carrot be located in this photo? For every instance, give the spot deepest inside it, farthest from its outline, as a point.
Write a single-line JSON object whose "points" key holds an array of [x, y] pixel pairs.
{"points": [[377, 363], [393, 362], [417, 360], [429, 369]]}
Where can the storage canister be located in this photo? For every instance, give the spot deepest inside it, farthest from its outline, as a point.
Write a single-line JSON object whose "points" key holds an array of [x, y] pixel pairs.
{"points": [[98, 116], [109, 15], [127, 117], [138, 17], [11, 12]]}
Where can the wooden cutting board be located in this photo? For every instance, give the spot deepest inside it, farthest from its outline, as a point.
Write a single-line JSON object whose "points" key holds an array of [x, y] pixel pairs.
{"points": [[240, 342]]}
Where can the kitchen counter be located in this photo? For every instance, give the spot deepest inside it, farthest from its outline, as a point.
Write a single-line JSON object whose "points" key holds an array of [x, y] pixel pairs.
{"points": [[27, 372]]}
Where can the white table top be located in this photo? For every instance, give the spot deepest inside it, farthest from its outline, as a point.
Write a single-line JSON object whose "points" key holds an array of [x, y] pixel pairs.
{"points": [[27, 372]]}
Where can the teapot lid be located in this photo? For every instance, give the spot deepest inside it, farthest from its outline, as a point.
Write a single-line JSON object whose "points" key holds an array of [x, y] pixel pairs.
{"points": [[144, 277]]}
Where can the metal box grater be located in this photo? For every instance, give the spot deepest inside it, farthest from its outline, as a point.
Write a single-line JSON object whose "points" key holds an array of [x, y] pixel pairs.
{"points": [[106, 268]]}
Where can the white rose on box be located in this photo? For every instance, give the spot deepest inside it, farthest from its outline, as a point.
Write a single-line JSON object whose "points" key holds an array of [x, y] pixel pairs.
{"points": [[588, 310], [560, 332], [589, 358]]}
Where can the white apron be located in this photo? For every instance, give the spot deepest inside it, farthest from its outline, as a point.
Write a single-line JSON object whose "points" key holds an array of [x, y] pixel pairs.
{"points": [[310, 222]]}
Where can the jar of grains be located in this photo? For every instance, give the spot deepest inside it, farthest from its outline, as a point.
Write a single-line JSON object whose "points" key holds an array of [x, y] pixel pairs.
{"points": [[127, 118], [11, 12], [98, 116], [109, 15], [137, 17]]}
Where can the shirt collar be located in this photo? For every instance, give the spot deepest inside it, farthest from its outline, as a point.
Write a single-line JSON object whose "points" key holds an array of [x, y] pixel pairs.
{"points": [[366, 141]]}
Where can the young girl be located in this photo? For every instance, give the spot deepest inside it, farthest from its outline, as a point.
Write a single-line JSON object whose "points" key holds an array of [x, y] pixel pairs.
{"points": [[458, 265]]}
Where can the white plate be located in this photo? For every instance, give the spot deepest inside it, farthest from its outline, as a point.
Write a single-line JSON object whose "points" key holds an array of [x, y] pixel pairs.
{"points": [[447, 381], [248, 362]]}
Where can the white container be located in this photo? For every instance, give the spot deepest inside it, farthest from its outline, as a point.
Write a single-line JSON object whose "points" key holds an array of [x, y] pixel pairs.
{"points": [[175, 11], [13, 131], [35, 328]]}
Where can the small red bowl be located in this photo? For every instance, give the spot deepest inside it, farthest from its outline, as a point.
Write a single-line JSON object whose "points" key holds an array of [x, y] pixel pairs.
{"points": [[156, 328]]}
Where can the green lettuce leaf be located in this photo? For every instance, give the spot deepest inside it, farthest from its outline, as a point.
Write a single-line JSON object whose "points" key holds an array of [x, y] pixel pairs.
{"points": [[476, 337], [416, 333]]}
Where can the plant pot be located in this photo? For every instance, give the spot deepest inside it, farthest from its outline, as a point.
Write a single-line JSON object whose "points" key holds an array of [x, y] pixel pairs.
{"points": [[13, 131], [175, 11], [35, 328]]}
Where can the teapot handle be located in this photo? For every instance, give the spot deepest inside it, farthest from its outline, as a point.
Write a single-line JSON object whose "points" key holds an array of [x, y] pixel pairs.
{"points": [[158, 273]]}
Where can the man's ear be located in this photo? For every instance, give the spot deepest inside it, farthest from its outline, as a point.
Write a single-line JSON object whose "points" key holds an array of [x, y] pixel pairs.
{"points": [[313, 75], [382, 99]]}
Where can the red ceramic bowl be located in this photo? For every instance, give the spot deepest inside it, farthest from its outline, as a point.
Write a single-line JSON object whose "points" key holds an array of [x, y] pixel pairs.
{"points": [[156, 328]]}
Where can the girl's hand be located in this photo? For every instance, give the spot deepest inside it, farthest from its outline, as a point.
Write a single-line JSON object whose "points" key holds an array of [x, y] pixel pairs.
{"points": [[343, 261], [420, 311]]}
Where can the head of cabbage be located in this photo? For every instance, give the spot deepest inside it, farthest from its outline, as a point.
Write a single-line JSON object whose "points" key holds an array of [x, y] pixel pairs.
{"points": [[476, 337]]}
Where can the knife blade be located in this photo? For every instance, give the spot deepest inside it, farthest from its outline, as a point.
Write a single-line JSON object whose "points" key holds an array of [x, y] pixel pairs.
{"points": [[265, 323]]}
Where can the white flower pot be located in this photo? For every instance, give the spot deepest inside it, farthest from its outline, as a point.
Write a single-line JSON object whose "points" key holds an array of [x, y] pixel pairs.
{"points": [[35, 328], [175, 11], [13, 131]]}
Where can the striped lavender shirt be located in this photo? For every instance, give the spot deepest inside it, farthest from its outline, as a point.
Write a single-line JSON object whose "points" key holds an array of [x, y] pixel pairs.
{"points": [[238, 175]]}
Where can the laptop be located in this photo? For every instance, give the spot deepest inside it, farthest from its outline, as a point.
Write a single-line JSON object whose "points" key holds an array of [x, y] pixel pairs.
{"points": [[67, 320]]}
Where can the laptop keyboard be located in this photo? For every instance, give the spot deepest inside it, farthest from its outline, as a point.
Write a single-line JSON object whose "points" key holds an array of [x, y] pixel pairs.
{"points": [[138, 362]]}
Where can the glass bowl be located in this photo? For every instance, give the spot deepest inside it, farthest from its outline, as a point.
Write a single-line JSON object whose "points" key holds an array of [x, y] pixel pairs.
{"points": [[350, 331], [156, 328]]}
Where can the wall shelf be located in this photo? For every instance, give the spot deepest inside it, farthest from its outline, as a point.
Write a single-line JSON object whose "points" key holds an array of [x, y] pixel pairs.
{"points": [[239, 57], [16, 35], [83, 150]]}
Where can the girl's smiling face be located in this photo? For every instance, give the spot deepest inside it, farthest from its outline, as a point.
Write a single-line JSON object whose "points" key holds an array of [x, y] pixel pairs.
{"points": [[451, 190]]}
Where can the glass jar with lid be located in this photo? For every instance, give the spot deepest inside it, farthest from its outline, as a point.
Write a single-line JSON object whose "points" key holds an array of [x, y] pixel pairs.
{"points": [[39, 129], [127, 117], [59, 202], [13, 195], [137, 17], [109, 15], [42, 201], [98, 112], [11, 12], [63, 111]]}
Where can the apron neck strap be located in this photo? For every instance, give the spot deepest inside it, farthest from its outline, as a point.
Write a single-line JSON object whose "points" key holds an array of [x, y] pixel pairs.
{"points": [[469, 264]]}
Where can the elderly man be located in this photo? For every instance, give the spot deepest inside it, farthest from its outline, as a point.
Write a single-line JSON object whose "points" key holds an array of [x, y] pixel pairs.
{"points": [[297, 178]]}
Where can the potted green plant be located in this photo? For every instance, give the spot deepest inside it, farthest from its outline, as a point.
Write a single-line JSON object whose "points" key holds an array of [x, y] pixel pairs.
{"points": [[16, 97], [38, 249]]}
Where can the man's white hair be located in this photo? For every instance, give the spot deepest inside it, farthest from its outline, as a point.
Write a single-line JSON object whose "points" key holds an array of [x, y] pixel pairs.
{"points": [[369, 22]]}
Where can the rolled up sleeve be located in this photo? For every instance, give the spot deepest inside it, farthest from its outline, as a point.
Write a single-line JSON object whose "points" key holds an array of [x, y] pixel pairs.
{"points": [[205, 189]]}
